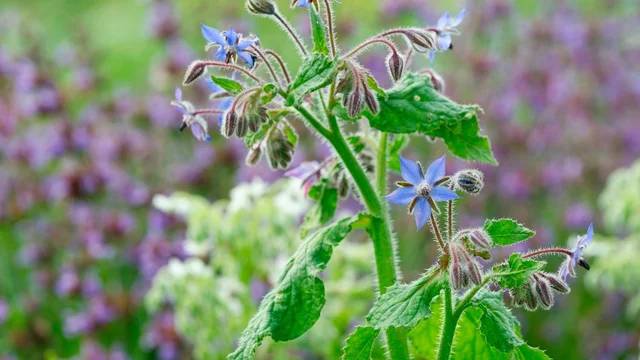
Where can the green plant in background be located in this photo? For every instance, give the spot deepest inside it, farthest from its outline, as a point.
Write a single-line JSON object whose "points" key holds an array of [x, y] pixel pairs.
{"points": [[616, 257], [448, 312]]}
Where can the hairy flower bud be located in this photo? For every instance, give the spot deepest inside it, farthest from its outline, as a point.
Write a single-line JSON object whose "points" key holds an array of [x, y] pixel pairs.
{"points": [[480, 238], [253, 156], [556, 283], [396, 65], [470, 181], [194, 71], [463, 269], [229, 124], [242, 126], [355, 101], [541, 287], [370, 99], [421, 40], [261, 7], [279, 150]]}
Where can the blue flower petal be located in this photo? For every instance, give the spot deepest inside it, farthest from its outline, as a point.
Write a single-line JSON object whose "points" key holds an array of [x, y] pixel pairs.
{"points": [[444, 42], [212, 35], [199, 132], [432, 55], [410, 171], [245, 43], [441, 193], [422, 212], [401, 196], [221, 54], [443, 21], [435, 171], [231, 37], [458, 19], [246, 56], [178, 94]]}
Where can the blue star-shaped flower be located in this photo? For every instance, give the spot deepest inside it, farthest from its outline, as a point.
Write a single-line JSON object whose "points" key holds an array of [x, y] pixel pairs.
{"points": [[421, 190], [196, 123], [569, 266], [230, 44], [446, 27]]}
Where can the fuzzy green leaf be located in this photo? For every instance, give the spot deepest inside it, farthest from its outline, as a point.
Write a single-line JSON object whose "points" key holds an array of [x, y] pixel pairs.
{"points": [[404, 305], [315, 73], [506, 232], [497, 323], [360, 343], [318, 32], [294, 304], [414, 106], [515, 272], [229, 85]]}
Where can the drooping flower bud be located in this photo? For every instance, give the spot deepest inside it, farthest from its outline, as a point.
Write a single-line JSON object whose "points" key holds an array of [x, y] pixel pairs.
{"points": [[556, 283], [421, 40], [279, 150], [370, 99], [229, 124], [253, 156], [470, 181], [541, 287], [194, 71], [261, 7], [396, 65], [480, 238], [463, 268], [355, 101]]}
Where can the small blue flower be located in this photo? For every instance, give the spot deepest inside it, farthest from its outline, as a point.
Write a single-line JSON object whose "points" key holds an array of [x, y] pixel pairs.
{"points": [[196, 123], [569, 266], [446, 27], [230, 44], [302, 3], [421, 190]]}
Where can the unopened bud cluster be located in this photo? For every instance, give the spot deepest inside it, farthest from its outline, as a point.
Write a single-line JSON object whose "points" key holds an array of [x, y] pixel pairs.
{"points": [[354, 86], [470, 181], [539, 291], [463, 268]]}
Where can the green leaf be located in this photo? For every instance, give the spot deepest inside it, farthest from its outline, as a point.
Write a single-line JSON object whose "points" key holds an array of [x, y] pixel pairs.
{"points": [[360, 343], [315, 73], [413, 105], [469, 341], [397, 144], [515, 272], [294, 304], [404, 305], [229, 85], [506, 232], [318, 32], [497, 323], [425, 336], [326, 197], [290, 133]]}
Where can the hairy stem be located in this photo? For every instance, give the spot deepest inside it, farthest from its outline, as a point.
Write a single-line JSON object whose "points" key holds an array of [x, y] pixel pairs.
{"points": [[449, 326], [266, 62], [381, 234], [332, 38], [232, 67], [283, 66], [436, 231], [291, 33], [381, 164], [371, 41]]}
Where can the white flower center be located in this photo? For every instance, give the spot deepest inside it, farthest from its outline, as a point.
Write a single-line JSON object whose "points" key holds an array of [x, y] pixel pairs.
{"points": [[423, 189]]}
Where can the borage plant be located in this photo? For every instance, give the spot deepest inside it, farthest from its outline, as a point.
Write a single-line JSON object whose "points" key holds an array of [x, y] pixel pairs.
{"points": [[456, 308]]}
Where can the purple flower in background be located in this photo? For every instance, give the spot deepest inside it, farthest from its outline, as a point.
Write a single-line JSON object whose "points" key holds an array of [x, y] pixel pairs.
{"points": [[446, 27], [195, 122], [421, 190], [308, 172], [569, 266], [231, 45]]}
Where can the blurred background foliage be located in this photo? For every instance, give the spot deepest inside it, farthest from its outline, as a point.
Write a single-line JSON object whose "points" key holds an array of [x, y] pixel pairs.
{"points": [[87, 137]]}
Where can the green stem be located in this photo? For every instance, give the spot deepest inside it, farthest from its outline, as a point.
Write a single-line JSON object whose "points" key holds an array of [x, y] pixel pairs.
{"points": [[381, 234], [381, 164], [449, 326], [451, 317]]}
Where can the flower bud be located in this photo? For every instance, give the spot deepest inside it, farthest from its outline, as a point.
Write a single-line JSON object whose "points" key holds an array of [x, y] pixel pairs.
{"points": [[436, 81], [556, 283], [396, 65], [261, 7], [253, 156], [540, 286], [229, 124], [371, 100], [279, 150], [470, 181], [421, 40], [480, 238], [463, 268], [194, 71], [355, 101], [242, 126]]}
